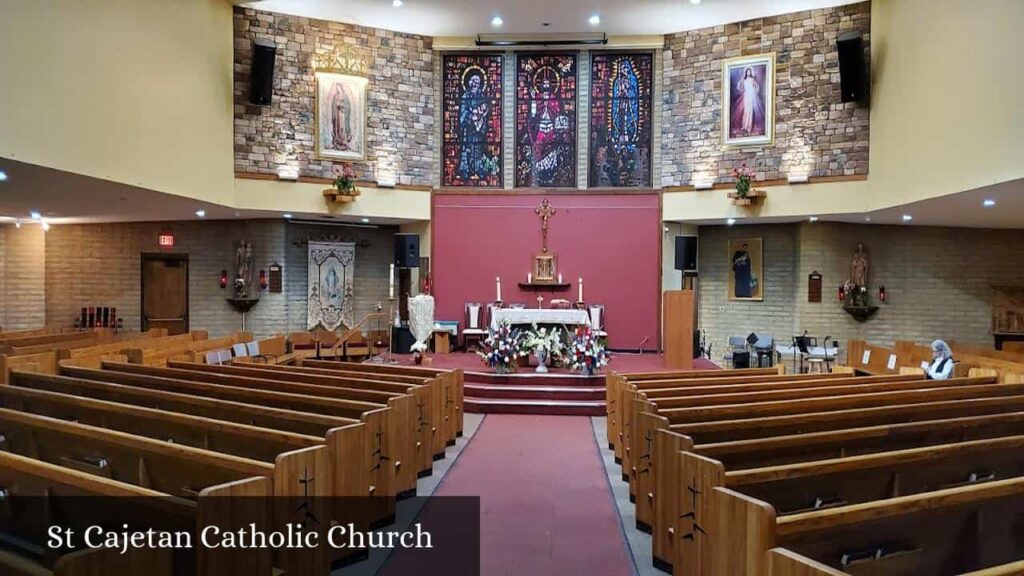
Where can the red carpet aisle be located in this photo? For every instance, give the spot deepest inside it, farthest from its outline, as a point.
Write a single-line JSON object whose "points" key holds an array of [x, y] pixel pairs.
{"points": [[546, 508]]}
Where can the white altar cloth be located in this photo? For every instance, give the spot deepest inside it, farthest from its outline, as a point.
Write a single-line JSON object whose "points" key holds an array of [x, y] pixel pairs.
{"points": [[518, 316]]}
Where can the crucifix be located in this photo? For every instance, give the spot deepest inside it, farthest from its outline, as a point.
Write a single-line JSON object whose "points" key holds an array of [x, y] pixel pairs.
{"points": [[545, 211]]}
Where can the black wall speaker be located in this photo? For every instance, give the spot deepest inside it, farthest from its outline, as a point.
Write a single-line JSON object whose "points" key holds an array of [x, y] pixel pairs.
{"points": [[852, 80], [407, 250], [261, 79], [686, 254]]}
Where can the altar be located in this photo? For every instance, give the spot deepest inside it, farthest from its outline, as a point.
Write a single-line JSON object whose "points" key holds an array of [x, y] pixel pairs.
{"points": [[529, 316]]}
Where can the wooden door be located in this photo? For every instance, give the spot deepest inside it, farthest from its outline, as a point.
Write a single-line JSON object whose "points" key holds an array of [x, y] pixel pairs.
{"points": [[165, 292]]}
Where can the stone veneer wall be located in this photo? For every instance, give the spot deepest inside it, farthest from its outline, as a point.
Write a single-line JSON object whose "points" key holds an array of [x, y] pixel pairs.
{"points": [[100, 265], [400, 135], [815, 133], [938, 281], [22, 283]]}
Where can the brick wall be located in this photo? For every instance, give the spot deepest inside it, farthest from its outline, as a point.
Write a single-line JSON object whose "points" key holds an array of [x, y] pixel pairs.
{"points": [[938, 281], [22, 261], [100, 265], [815, 133], [400, 135]]}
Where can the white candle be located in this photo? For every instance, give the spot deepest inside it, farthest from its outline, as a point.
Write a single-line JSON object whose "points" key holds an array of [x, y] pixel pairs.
{"points": [[559, 277], [498, 280], [581, 289], [529, 277], [391, 282]]}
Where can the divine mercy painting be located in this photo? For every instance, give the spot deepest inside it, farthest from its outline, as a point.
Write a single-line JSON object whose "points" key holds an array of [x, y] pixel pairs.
{"points": [[340, 116], [747, 269], [471, 122], [620, 119], [748, 100], [546, 120]]}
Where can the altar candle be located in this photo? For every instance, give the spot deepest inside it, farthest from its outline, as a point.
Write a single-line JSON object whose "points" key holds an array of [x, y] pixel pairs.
{"points": [[529, 277], [391, 283], [581, 289], [559, 277], [498, 281]]}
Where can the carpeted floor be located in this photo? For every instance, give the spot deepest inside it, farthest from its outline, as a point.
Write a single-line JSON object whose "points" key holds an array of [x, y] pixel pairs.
{"points": [[546, 508], [621, 362]]}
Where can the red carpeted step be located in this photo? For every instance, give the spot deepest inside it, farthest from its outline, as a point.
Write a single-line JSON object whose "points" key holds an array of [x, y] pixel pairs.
{"points": [[550, 407], [532, 378], [533, 392]]}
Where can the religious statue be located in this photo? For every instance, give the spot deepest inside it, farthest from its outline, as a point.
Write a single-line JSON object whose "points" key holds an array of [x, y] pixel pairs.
{"points": [[243, 268], [859, 267]]}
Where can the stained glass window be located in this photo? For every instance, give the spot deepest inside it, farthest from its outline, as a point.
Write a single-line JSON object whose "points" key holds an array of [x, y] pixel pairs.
{"points": [[620, 120], [545, 120], [471, 107]]}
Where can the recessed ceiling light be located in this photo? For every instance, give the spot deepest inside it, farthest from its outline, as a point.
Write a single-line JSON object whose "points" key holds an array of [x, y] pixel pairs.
{"points": [[988, 203], [907, 217], [867, 218], [497, 21], [3, 175], [396, 3], [594, 20], [730, 221], [694, 2], [286, 215], [35, 215], [201, 213], [814, 218], [364, 220]]}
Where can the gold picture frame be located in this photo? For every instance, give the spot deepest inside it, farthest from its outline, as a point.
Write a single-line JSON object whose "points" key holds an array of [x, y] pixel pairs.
{"points": [[544, 267], [745, 263], [761, 100], [340, 138]]}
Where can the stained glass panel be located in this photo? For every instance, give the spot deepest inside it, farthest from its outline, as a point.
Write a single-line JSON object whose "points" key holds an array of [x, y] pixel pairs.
{"points": [[620, 120], [545, 120], [471, 120]]}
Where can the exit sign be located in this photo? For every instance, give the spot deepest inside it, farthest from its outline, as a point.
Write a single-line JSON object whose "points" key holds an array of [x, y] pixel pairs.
{"points": [[166, 240]]}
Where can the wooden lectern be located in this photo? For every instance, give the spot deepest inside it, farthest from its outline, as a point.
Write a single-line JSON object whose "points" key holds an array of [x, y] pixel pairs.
{"points": [[677, 323]]}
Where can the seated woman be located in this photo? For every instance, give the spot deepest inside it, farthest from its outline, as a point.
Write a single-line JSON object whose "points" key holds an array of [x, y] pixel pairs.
{"points": [[941, 367]]}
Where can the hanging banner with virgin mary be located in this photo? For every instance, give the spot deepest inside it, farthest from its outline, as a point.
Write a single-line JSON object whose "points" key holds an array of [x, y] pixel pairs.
{"points": [[748, 100], [331, 273]]}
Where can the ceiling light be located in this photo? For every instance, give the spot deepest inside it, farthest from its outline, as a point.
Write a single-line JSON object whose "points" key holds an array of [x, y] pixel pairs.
{"points": [[867, 218], [695, 2], [497, 22], [988, 203], [594, 20], [3, 175], [364, 220], [201, 213], [907, 217], [396, 3], [286, 215], [46, 225], [730, 221], [35, 215], [814, 218]]}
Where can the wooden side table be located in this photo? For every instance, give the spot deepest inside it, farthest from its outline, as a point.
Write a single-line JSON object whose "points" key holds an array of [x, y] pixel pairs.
{"points": [[442, 342]]}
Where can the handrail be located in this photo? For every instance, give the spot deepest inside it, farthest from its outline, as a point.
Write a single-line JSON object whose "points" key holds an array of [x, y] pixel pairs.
{"points": [[352, 330]]}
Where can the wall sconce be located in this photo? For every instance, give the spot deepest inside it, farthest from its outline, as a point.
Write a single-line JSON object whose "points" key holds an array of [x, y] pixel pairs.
{"points": [[881, 293], [798, 179], [223, 278], [263, 279], [703, 184]]}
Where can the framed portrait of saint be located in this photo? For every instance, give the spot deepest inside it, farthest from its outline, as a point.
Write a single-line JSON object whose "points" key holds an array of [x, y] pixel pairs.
{"points": [[746, 272], [748, 100], [340, 116]]}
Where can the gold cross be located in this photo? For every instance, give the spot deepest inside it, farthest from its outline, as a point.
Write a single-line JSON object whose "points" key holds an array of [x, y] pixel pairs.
{"points": [[545, 211]]}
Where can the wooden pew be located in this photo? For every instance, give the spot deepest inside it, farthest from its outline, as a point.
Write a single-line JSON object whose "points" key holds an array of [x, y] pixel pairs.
{"points": [[92, 356], [388, 437], [58, 468], [453, 389], [428, 393], [818, 484], [139, 562], [783, 562], [400, 427], [940, 532], [357, 469]]}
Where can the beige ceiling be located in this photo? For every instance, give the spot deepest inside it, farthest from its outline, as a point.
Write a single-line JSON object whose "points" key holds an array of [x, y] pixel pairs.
{"points": [[470, 17]]}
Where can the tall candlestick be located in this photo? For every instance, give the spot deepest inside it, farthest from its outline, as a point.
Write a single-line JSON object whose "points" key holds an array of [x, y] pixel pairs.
{"points": [[498, 280], [581, 289], [391, 283]]}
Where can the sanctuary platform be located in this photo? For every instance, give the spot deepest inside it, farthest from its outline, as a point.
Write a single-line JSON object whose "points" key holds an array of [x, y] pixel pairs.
{"points": [[560, 391]]}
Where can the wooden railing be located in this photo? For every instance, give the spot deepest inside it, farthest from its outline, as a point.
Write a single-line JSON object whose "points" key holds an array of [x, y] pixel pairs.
{"points": [[357, 329]]}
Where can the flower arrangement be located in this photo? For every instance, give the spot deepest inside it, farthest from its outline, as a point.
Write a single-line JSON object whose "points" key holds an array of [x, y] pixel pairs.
{"points": [[346, 181], [546, 345], [744, 176], [585, 353], [503, 347], [853, 295]]}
